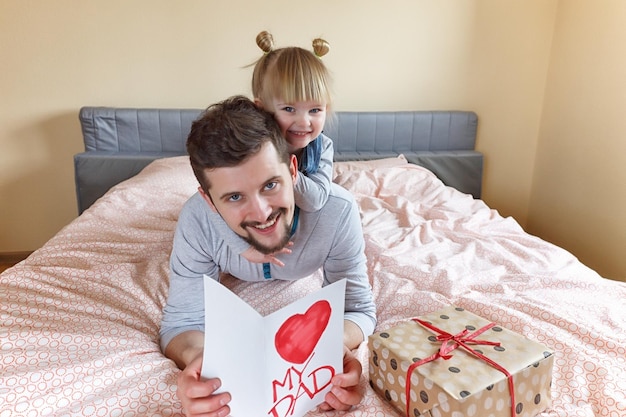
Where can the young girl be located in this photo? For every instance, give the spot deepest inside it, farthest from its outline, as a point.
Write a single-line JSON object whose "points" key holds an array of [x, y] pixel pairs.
{"points": [[294, 85]]}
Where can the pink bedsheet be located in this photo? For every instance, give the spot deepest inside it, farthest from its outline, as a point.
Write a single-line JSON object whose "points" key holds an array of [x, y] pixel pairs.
{"points": [[80, 317]]}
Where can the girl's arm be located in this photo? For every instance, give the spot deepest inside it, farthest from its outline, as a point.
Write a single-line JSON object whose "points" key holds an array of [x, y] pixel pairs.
{"points": [[311, 190]]}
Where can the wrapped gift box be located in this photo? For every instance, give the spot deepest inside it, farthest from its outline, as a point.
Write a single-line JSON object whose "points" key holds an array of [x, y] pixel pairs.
{"points": [[467, 375]]}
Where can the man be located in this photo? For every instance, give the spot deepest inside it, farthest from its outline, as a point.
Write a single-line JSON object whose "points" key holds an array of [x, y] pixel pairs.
{"points": [[246, 178]]}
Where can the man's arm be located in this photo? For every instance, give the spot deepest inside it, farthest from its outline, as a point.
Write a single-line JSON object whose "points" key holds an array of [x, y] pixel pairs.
{"points": [[197, 395], [191, 258], [185, 347], [346, 391], [346, 259], [352, 335]]}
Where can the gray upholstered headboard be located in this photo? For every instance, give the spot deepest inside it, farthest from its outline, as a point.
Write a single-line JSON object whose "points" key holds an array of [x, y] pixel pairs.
{"points": [[120, 142]]}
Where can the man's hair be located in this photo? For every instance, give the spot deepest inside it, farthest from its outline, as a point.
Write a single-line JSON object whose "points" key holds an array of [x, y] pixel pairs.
{"points": [[228, 133]]}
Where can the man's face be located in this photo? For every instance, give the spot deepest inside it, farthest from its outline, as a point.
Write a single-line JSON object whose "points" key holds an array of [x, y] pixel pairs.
{"points": [[256, 198]]}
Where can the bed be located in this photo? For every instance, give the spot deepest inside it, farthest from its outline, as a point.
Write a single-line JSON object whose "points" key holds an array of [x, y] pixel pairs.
{"points": [[80, 316]]}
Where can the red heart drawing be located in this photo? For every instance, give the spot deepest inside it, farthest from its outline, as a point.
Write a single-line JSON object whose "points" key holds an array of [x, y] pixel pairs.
{"points": [[297, 336]]}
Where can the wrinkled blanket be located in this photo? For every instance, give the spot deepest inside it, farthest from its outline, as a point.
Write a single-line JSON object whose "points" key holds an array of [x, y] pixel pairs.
{"points": [[79, 318]]}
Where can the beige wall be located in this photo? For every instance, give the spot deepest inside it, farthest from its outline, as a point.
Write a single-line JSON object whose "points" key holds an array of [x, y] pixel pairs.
{"points": [[489, 56], [579, 188]]}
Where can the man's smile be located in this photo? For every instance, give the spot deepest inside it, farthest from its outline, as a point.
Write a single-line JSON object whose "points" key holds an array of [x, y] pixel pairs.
{"points": [[264, 227]]}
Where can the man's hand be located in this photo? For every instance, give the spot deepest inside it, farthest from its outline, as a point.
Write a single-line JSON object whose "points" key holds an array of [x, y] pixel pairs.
{"points": [[346, 390], [255, 256], [197, 395]]}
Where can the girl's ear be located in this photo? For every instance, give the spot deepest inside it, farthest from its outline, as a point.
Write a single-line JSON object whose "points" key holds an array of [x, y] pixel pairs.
{"points": [[207, 199], [258, 102]]}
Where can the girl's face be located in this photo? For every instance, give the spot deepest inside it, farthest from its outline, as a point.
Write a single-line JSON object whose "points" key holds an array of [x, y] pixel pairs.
{"points": [[300, 122]]}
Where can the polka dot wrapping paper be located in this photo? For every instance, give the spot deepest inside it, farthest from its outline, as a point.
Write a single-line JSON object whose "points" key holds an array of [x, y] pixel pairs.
{"points": [[460, 384]]}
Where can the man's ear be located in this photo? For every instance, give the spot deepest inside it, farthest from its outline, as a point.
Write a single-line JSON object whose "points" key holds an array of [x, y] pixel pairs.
{"points": [[293, 168], [207, 199]]}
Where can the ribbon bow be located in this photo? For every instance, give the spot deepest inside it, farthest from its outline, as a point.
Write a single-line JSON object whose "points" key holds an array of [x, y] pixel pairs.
{"points": [[449, 343]]}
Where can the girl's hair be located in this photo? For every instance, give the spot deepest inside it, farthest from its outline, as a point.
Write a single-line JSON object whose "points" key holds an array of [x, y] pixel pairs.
{"points": [[228, 133], [291, 74]]}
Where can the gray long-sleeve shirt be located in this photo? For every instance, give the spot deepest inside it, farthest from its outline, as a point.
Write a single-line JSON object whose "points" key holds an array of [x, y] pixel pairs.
{"points": [[331, 238], [311, 190]]}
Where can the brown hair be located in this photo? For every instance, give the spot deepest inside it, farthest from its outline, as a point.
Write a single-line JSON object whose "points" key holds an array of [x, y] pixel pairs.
{"points": [[228, 133]]}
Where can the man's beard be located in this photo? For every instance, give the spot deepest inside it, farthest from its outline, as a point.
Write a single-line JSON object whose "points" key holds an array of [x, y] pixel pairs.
{"points": [[269, 249]]}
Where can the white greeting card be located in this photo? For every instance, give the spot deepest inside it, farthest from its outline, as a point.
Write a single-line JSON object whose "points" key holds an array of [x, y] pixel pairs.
{"points": [[279, 365]]}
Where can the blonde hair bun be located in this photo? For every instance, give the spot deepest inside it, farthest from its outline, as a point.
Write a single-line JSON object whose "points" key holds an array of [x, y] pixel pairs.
{"points": [[265, 41], [320, 47]]}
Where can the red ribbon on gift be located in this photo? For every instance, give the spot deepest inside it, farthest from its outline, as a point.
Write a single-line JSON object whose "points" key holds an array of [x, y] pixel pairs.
{"points": [[451, 342]]}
